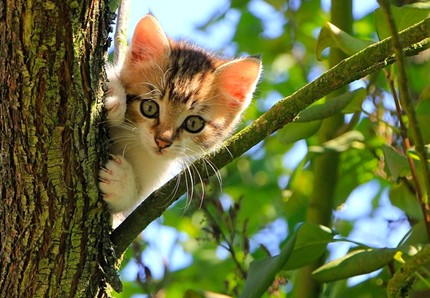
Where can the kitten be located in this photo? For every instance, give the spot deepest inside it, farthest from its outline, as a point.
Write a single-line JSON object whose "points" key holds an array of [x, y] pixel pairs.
{"points": [[169, 103]]}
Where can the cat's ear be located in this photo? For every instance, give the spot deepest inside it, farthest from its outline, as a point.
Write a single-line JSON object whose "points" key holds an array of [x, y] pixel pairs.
{"points": [[237, 80], [149, 42]]}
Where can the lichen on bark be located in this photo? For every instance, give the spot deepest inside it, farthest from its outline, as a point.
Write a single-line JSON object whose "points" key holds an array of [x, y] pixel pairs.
{"points": [[52, 223]]}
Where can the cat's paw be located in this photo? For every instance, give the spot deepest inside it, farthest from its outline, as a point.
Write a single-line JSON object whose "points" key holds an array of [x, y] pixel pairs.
{"points": [[117, 184], [116, 99]]}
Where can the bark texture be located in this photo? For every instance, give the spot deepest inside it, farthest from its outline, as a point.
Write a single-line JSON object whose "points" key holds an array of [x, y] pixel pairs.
{"points": [[51, 218]]}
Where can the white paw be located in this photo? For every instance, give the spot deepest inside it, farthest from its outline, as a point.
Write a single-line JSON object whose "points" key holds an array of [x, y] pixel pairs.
{"points": [[116, 99], [117, 184]]}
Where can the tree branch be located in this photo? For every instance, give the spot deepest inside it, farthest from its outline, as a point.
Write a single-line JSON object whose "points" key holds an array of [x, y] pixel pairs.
{"points": [[371, 59], [120, 38], [397, 283]]}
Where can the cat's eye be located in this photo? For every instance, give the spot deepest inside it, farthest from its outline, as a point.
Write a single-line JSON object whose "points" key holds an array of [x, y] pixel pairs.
{"points": [[193, 124], [149, 108]]}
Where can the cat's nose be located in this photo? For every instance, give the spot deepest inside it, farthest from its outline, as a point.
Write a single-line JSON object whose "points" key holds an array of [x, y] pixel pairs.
{"points": [[162, 143]]}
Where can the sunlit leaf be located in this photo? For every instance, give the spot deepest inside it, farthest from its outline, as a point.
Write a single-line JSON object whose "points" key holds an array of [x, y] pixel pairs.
{"points": [[332, 36], [354, 263], [349, 102], [341, 143], [309, 122], [414, 154], [203, 294]]}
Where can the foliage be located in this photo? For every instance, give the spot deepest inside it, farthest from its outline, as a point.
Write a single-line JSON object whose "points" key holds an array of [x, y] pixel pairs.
{"points": [[247, 235]]}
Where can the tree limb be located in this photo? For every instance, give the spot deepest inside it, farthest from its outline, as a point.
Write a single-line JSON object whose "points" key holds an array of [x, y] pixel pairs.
{"points": [[120, 47], [400, 279], [371, 59]]}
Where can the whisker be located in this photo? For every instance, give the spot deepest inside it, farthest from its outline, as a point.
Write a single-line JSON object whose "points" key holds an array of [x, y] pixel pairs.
{"points": [[161, 76], [164, 81], [228, 150], [173, 193], [213, 167], [202, 185]]}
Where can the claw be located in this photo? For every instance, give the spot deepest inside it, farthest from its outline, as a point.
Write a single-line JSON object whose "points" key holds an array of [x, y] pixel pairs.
{"points": [[112, 108], [106, 181], [107, 170], [110, 91], [115, 159]]}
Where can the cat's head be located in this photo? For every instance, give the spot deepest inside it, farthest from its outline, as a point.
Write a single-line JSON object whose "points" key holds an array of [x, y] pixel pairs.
{"points": [[184, 100]]}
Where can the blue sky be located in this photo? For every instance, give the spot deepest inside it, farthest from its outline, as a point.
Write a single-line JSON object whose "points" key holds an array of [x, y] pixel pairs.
{"points": [[181, 18]]}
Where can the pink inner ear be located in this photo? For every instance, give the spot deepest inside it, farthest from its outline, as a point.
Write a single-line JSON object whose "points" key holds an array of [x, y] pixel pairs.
{"points": [[149, 41], [239, 79]]}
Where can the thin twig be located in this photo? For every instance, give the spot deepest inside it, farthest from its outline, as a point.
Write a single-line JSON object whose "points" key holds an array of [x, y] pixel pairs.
{"points": [[369, 60], [229, 247], [409, 108], [120, 38], [406, 146]]}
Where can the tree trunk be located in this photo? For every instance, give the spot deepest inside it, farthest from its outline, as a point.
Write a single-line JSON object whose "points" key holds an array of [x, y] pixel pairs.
{"points": [[325, 166], [52, 223]]}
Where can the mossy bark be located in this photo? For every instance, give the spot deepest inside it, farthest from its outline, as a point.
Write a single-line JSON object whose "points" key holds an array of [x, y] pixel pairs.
{"points": [[52, 223]]}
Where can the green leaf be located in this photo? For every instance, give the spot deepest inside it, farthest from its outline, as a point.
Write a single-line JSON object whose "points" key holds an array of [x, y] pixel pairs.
{"points": [[306, 245], [413, 153], [404, 17], [296, 131], [356, 167], [309, 122], [341, 143], [262, 272], [311, 244], [397, 164], [354, 263], [402, 197], [332, 36], [416, 237], [356, 99], [349, 102], [423, 114]]}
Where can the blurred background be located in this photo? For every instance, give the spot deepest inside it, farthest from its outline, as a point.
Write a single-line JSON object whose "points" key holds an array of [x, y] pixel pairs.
{"points": [[257, 201]]}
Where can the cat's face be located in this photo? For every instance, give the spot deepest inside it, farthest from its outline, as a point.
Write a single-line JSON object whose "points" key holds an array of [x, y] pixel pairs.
{"points": [[182, 100]]}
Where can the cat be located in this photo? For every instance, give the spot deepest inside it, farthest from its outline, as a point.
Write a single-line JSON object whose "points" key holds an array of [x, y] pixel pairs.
{"points": [[167, 104]]}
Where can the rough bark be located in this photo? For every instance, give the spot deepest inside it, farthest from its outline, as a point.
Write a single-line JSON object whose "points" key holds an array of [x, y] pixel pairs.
{"points": [[51, 218]]}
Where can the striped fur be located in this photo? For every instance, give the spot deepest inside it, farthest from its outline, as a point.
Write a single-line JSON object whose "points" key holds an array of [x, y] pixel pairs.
{"points": [[183, 81]]}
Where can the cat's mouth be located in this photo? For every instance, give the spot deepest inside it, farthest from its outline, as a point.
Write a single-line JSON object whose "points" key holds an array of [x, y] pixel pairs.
{"points": [[160, 152]]}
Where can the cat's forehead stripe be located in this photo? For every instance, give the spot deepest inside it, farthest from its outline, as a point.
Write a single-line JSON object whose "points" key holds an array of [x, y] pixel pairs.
{"points": [[189, 67]]}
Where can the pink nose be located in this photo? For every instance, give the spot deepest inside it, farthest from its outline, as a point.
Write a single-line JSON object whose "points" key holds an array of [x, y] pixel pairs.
{"points": [[162, 143]]}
